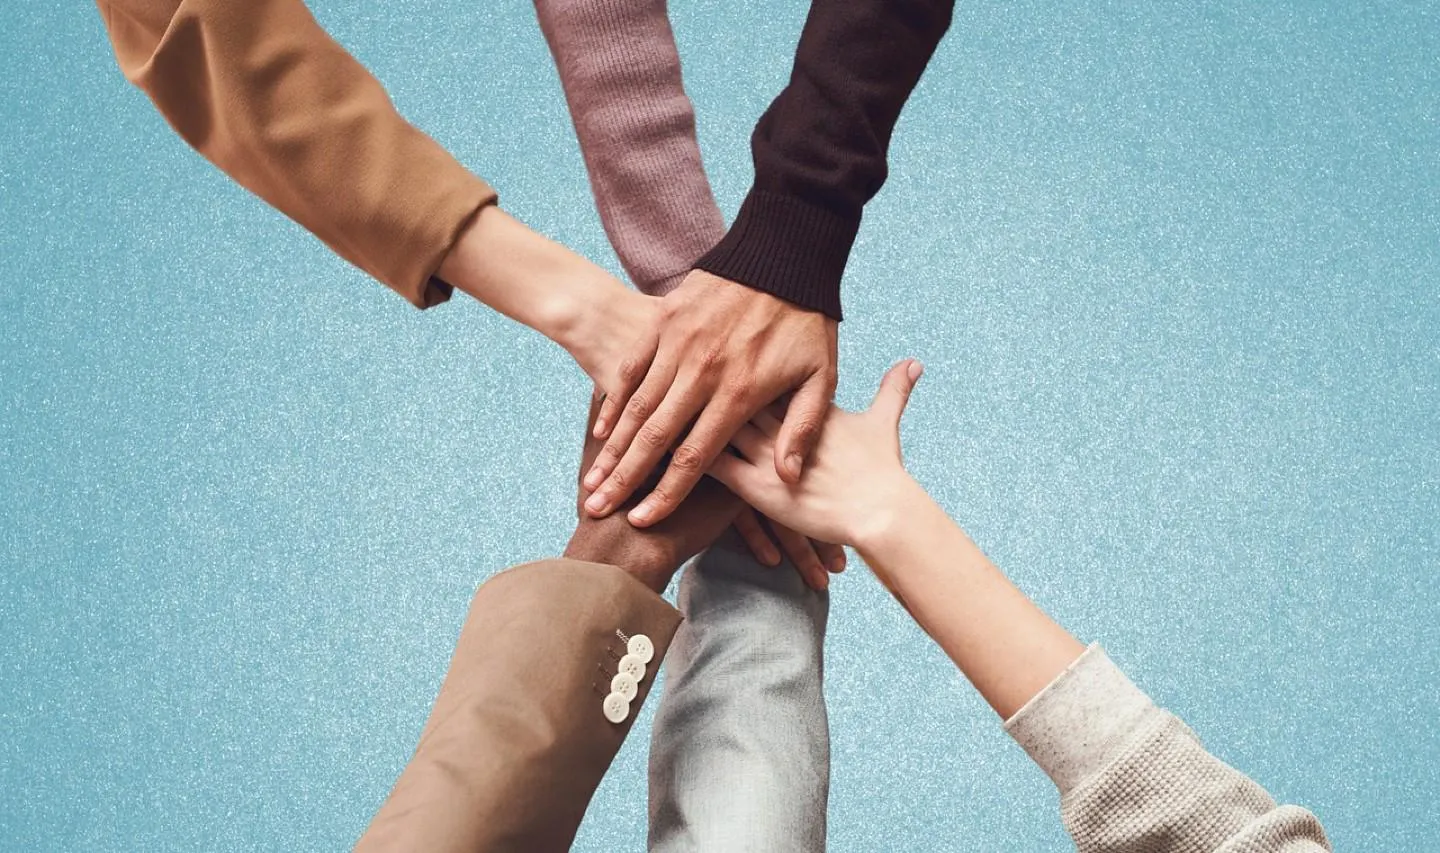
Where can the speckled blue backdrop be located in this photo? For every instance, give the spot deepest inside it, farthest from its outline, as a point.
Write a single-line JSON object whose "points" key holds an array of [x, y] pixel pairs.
{"points": [[1175, 274]]}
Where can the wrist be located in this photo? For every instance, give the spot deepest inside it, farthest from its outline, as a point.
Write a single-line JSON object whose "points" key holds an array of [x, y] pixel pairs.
{"points": [[525, 275], [610, 541], [884, 527]]}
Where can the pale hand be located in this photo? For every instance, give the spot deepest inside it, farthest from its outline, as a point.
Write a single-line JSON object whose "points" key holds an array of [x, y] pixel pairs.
{"points": [[855, 480]]}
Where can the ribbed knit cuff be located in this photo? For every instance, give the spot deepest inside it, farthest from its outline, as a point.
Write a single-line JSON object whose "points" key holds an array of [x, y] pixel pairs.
{"points": [[787, 248], [1082, 720]]}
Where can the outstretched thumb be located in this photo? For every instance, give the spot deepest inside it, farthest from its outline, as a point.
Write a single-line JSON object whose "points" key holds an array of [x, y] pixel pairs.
{"points": [[895, 390]]}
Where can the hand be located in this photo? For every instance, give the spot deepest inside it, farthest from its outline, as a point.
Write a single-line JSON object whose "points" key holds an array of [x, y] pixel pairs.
{"points": [[724, 352], [815, 561], [855, 480], [653, 554]]}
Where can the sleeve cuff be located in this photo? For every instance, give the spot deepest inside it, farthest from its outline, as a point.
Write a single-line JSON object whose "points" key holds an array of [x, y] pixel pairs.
{"points": [[787, 248], [1082, 720]]}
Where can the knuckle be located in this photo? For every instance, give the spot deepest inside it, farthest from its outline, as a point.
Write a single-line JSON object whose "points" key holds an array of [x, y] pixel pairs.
{"points": [[687, 459], [632, 370], [639, 406], [653, 436], [806, 428], [619, 481], [712, 360]]}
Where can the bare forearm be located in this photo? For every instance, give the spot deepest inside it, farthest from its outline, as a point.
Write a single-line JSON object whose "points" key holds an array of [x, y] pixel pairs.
{"points": [[1003, 642], [532, 279]]}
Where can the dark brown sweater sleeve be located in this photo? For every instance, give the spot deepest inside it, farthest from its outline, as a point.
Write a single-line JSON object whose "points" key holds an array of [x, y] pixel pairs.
{"points": [[266, 95], [820, 148]]}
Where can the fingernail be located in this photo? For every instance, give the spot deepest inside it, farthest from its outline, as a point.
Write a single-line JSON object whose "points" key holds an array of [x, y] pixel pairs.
{"points": [[600, 428], [596, 502], [824, 581], [792, 463], [641, 513], [772, 558], [594, 478], [915, 369], [837, 565]]}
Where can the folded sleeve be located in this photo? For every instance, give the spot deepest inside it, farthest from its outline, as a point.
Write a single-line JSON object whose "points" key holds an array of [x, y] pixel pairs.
{"points": [[1133, 777], [519, 737], [266, 95]]}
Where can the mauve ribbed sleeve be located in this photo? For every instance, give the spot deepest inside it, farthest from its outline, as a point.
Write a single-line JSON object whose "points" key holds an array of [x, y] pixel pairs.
{"points": [[621, 73]]}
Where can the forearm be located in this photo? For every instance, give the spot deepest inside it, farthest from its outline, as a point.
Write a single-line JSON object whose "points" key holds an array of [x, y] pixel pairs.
{"points": [[532, 279], [266, 95], [621, 73], [820, 149], [1003, 643]]}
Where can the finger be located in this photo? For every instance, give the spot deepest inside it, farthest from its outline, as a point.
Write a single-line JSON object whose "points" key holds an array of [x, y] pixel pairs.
{"points": [[632, 372], [750, 529], [895, 390], [721, 419], [739, 476], [832, 556], [768, 421], [638, 409], [801, 429], [654, 438], [802, 554], [752, 443]]}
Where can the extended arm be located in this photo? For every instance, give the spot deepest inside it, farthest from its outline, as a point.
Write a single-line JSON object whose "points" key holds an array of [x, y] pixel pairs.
{"points": [[1131, 776], [266, 95]]}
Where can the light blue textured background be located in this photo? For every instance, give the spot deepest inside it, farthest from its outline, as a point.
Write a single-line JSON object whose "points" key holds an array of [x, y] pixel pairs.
{"points": [[1175, 274]]}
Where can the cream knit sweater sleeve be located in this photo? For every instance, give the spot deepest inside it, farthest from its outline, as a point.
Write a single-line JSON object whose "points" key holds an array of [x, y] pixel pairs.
{"points": [[1134, 779]]}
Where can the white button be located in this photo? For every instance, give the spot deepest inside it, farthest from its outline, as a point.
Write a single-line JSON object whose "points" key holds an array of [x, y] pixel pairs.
{"points": [[617, 708], [626, 686], [633, 667], [641, 647]]}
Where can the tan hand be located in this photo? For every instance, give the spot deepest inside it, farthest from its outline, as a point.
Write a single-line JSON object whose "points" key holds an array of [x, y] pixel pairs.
{"points": [[724, 352]]}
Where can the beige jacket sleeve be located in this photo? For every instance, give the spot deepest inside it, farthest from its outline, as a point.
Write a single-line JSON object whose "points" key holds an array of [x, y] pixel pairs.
{"points": [[517, 740], [264, 93], [1134, 779]]}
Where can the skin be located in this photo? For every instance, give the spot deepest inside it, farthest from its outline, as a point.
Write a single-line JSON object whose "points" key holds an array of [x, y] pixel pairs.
{"points": [[721, 353], [856, 491], [652, 554], [540, 283]]}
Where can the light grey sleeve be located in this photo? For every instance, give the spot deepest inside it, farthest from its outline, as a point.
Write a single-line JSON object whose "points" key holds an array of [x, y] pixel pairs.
{"points": [[1134, 778], [740, 750]]}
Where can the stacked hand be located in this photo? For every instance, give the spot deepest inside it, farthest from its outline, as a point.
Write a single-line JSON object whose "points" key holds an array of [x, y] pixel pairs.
{"points": [[652, 554], [712, 353], [855, 481]]}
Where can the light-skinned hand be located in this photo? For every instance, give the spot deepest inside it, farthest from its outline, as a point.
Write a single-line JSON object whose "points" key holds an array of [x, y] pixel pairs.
{"points": [[855, 478]]}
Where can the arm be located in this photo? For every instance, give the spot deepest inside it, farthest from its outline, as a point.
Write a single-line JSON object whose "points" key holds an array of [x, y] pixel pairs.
{"points": [[820, 148], [620, 70], [756, 320], [520, 736], [266, 95], [1131, 776]]}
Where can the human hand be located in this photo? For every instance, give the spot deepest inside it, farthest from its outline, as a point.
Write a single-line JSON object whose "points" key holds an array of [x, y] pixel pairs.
{"points": [[815, 561], [652, 554], [724, 352], [854, 481]]}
